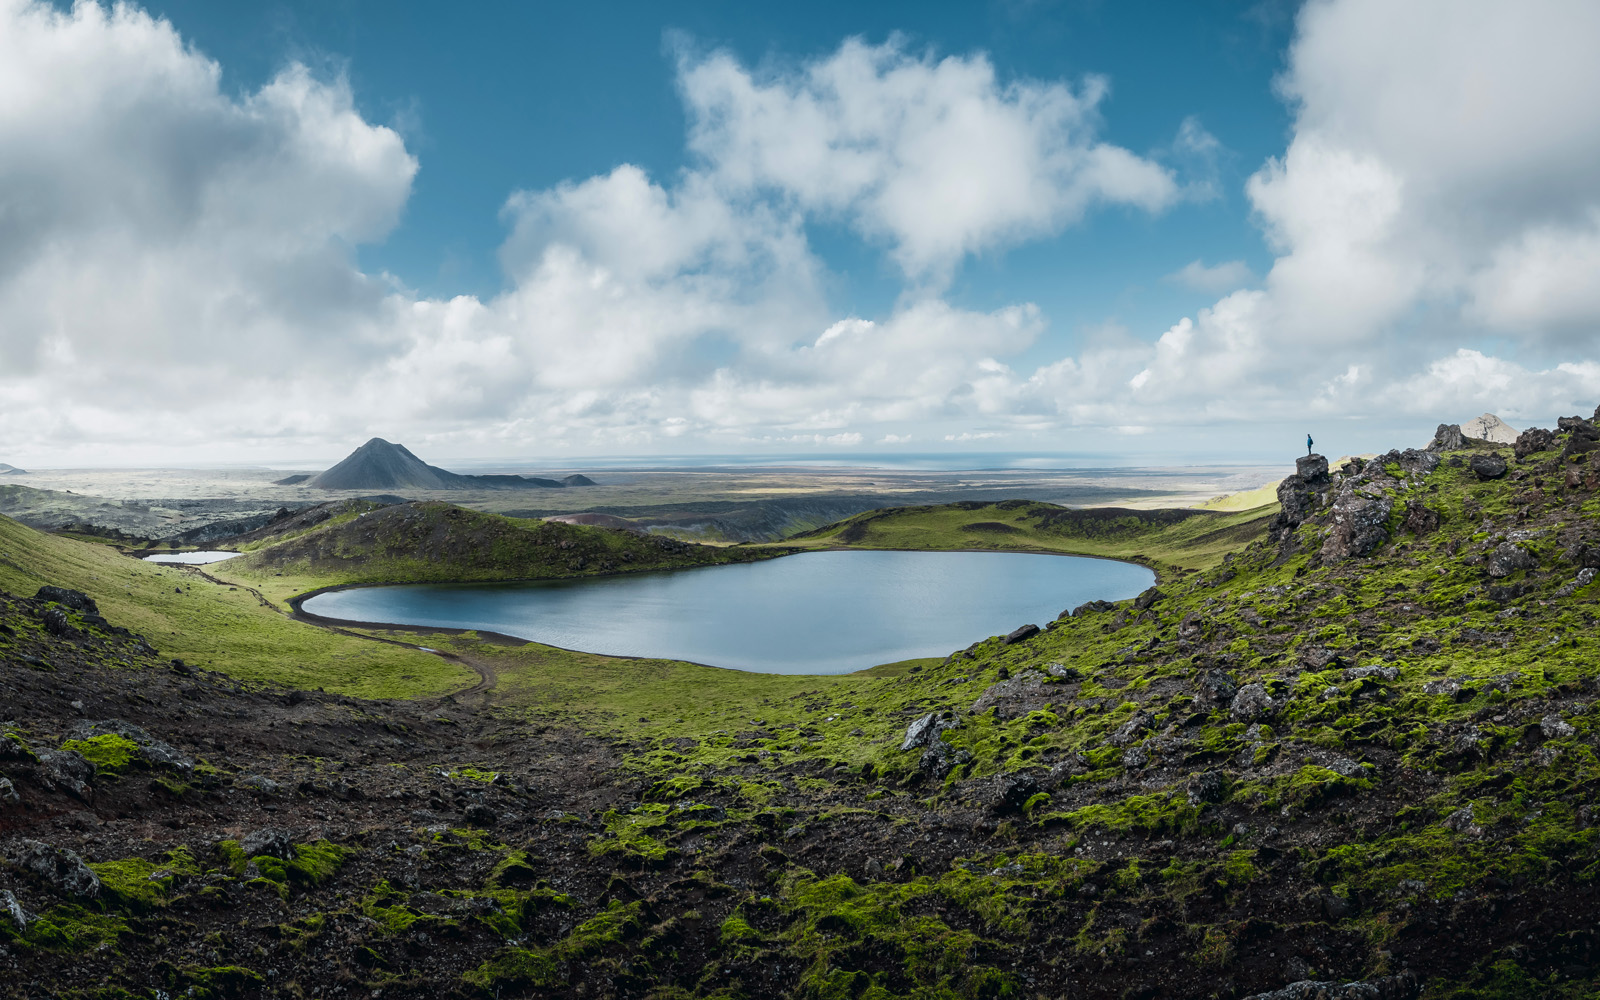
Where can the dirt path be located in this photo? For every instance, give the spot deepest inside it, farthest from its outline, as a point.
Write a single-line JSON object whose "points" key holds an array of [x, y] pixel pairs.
{"points": [[488, 676]]}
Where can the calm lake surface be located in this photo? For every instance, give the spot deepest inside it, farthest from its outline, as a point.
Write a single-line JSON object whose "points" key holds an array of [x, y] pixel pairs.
{"points": [[815, 613], [190, 558]]}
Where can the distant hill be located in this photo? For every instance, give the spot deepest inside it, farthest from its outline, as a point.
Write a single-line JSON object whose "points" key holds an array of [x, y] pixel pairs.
{"points": [[380, 465], [1490, 428], [12, 470]]}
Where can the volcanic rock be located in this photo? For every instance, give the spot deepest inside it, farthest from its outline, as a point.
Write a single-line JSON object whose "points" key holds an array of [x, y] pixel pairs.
{"points": [[1488, 466], [1534, 439], [1508, 557], [1358, 524], [1312, 468], [61, 868], [1251, 703], [1448, 438]]}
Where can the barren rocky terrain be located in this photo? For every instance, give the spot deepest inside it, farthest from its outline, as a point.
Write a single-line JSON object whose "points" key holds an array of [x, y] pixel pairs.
{"points": [[1355, 758]]}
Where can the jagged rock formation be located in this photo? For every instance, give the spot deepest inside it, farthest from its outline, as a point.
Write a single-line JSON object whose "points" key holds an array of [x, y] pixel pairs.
{"points": [[1489, 428], [1448, 438], [380, 465]]}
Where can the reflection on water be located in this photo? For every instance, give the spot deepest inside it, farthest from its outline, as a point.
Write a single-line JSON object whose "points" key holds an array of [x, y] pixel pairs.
{"points": [[190, 558], [820, 612]]}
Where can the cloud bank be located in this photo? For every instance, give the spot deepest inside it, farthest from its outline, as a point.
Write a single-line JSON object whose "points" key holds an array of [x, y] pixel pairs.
{"points": [[177, 265]]}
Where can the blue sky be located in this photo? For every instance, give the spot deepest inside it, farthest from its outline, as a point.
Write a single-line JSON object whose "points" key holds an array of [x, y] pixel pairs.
{"points": [[539, 231], [497, 97]]}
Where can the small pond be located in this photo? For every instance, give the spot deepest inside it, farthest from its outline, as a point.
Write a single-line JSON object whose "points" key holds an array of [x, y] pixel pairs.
{"points": [[190, 558], [815, 613]]}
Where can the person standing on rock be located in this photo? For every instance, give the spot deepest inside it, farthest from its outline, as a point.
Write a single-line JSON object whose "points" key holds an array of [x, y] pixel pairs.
{"points": [[1309, 443]]}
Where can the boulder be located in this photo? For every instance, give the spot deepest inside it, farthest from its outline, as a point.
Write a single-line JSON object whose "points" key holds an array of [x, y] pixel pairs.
{"points": [[1016, 696], [1556, 728], [1318, 658], [57, 623], [1312, 469], [1213, 689], [1534, 439], [1022, 633], [154, 751], [940, 759], [272, 841], [13, 911], [925, 731], [67, 769], [1207, 786], [1358, 524], [1489, 466], [1421, 519], [1362, 673], [1508, 557], [1411, 461], [480, 815], [8, 792], [1132, 729], [1577, 425], [1448, 438], [77, 600], [1090, 607], [1014, 792], [1252, 703], [59, 867], [1297, 500], [1148, 598]]}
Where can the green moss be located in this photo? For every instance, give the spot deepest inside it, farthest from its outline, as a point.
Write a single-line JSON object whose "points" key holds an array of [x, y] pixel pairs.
{"points": [[1158, 813], [108, 752], [68, 929], [138, 884]]}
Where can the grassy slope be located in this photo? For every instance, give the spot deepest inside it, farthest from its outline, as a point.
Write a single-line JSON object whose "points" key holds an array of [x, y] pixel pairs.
{"points": [[1246, 500], [441, 543], [1168, 540], [186, 617]]}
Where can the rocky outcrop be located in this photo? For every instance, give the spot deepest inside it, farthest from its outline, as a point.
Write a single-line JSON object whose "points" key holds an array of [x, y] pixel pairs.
{"points": [[1021, 634], [1508, 557], [1534, 439], [68, 770], [1421, 519], [1313, 469], [62, 869], [1448, 438], [1014, 697], [154, 752], [1401, 987], [1358, 523], [1214, 689], [1252, 703]]}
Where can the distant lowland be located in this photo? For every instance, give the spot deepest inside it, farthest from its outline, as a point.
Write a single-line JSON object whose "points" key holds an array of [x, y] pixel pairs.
{"points": [[381, 465]]}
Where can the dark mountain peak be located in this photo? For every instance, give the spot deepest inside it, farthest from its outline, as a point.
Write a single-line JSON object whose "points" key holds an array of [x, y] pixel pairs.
{"points": [[384, 465]]}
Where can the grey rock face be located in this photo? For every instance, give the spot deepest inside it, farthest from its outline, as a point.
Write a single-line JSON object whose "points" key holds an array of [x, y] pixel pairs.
{"points": [[8, 792], [1359, 673], [154, 751], [1444, 685], [940, 759], [1252, 703], [1318, 658], [1132, 729], [1508, 557], [1297, 500], [1487, 466], [61, 868], [1532, 440], [1448, 438], [1358, 524], [1555, 727], [67, 769], [1207, 786], [13, 910], [1421, 519], [1015, 696], [1401, 987], [272, 841], [924, 731], [1214, 689], [1015, 791], [1583, 579]]}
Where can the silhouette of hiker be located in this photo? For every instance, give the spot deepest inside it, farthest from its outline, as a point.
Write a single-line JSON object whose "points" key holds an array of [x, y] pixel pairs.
{"points": [[1308, 444]]}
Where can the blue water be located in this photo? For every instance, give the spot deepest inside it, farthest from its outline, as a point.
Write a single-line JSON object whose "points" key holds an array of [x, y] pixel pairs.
{"points": [[814, 613], [190, 558]]}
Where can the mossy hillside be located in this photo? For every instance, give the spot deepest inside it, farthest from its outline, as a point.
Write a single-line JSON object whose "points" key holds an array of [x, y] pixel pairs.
{"points": [[186, 617], [1173, 540], [442, 543]]}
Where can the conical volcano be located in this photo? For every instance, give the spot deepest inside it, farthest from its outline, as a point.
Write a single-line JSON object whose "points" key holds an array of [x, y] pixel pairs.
{"points": [[381, 465]]}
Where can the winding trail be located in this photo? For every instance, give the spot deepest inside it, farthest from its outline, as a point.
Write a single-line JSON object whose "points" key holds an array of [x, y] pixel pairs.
{"points": [[488, 675]]}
